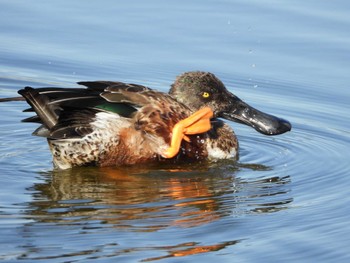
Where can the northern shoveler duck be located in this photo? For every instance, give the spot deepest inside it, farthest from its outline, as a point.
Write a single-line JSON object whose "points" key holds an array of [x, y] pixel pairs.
{"points": [[114, 123]]}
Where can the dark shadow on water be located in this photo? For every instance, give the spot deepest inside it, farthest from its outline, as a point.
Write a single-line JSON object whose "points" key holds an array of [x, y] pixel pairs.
{"points": [[136, 199]]}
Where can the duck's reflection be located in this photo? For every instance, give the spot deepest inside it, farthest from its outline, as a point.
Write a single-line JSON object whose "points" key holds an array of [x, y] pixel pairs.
{"points": [[136, 199], [150, 199]]}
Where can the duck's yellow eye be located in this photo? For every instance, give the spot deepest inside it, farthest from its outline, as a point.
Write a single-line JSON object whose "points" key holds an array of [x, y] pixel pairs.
{"points": [[206, 95]]}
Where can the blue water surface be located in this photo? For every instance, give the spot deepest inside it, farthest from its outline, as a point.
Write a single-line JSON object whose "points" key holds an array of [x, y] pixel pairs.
{"points": [[285, 200]]}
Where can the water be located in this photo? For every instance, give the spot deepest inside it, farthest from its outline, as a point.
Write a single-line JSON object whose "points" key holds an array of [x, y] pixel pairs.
{"points": [[286, 199]]}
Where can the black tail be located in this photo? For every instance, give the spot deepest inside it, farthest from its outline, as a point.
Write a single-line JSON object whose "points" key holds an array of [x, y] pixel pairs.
{"points": [[52, 104], [40, 104], [49, 103]]}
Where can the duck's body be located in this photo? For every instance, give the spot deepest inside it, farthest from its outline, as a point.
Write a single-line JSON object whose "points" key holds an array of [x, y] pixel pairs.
{"points": [[113, 123]]}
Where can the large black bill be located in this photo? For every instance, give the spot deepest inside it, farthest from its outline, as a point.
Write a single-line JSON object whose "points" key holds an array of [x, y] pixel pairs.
{"points": [[262, 122]]}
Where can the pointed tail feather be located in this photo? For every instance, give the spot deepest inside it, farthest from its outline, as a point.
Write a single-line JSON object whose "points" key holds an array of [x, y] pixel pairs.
{"points": [[40, 104], [12, 99]]}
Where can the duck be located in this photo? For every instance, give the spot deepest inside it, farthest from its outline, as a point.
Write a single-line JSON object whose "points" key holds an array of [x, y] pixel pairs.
{"points": [[110, 123]]}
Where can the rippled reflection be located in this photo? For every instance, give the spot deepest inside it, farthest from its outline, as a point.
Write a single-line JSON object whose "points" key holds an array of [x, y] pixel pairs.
{"points": [[153, 199], [186, 197], [190, 248]]}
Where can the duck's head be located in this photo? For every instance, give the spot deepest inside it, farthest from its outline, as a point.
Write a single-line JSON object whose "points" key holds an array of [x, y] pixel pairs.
{"points": [[199, 89]]}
